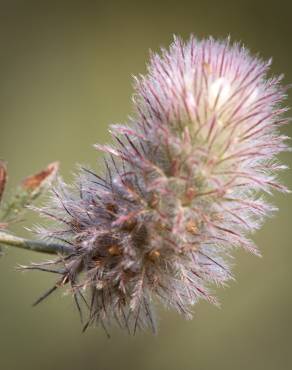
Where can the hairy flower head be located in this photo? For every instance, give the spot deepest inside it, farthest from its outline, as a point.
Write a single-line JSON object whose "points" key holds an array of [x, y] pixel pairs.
{"points": [[180, 188]]}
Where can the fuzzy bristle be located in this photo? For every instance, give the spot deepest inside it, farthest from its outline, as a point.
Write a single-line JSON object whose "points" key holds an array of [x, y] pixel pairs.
{"points": [[181, 186]]}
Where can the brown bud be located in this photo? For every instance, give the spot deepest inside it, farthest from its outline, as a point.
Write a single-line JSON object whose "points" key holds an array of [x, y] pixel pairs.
{"points": [[161, 226], [153, 255], [188, 196], [112, 208], [189, 247], [154, 201], [129, 224], [191, 227], [114, 250], [3, 178], [33, 182]]}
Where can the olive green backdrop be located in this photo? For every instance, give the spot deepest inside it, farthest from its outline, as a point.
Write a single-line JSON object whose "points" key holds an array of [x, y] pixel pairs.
{"points": [[65, 74]]}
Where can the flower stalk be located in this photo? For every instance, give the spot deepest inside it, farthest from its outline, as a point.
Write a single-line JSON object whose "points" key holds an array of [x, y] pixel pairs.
{"points": [[33, 245]]}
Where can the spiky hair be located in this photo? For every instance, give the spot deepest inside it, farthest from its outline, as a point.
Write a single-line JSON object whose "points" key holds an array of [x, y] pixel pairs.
{"points": [[180, 188]]}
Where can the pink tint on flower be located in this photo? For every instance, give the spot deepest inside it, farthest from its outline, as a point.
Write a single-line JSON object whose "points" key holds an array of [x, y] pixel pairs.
{"points": [[181, 186]]}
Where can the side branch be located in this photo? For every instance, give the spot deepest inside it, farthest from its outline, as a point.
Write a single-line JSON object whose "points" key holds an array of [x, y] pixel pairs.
{"points": [[34, 245]]}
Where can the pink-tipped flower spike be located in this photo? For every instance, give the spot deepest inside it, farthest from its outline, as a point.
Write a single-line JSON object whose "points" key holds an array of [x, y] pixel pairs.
{"points": [[181, 186]]}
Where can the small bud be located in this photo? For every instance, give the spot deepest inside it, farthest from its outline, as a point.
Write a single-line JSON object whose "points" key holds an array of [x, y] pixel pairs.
{"points": [[153, 255], [191, 227], [129, 224], [154, 201], [114, 250], [188, 196], [111, 207], [35, 182], [30, 189], [3, 178]]}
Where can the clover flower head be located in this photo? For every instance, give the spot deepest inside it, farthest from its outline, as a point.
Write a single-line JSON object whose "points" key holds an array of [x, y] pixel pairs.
{"points": [[181, 187]]}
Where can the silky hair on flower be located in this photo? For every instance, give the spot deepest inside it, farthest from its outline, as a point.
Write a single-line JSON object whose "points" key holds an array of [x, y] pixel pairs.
{"points": [[182, 187]]}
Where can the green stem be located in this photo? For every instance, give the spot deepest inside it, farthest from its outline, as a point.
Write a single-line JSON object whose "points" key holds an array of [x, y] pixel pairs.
{"points": [[34, 245]]}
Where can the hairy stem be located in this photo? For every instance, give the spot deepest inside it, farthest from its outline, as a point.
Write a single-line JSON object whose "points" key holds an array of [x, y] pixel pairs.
{"points": [[33, 245]]}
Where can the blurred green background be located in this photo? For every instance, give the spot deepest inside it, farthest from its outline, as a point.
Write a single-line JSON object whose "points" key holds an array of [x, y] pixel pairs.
{"points": [[65, 74]]}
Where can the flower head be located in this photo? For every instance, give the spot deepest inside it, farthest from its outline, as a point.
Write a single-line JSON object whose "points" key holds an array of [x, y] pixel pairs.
{"points": [[180, 188]]}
